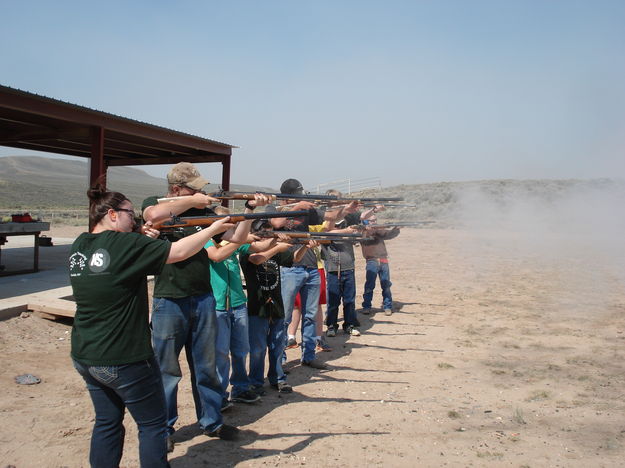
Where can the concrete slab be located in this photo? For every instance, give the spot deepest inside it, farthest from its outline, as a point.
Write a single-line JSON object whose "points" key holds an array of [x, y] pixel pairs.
{"points": [[51, 282]]}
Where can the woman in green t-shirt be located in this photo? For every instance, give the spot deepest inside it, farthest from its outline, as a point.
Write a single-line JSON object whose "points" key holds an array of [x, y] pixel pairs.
{"points": [[111, 342]]}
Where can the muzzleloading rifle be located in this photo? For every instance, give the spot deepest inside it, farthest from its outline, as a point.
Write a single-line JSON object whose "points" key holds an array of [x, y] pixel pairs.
{"points": [[321, 237], [176, 222], [393, 225], [389, 205], [327, 200], [322, 199], [226, 195]]}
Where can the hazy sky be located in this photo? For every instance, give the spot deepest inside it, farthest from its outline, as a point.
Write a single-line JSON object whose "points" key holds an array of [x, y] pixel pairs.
{"points": [[411, 91]]}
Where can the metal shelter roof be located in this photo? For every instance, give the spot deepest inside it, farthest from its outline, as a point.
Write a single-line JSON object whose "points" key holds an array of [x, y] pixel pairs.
{"points": [[35, 122]]}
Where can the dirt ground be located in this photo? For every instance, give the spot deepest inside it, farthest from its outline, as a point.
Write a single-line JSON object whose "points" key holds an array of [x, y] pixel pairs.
{"points": [[495, 356]]}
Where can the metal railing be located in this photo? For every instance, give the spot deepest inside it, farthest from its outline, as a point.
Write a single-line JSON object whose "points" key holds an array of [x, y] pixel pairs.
{"points": [[347, 186]]}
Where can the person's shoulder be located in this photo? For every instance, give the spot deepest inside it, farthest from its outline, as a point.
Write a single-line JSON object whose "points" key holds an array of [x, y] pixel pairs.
{"points": [[149, 201]]}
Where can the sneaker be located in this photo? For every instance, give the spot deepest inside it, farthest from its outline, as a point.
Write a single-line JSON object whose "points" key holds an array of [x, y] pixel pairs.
{"points": [[170, 444], [224, 432], [365, 311], [331, 332], [259, 390], [246, 397], [291, 343], [226, 404], [388, 312], [315, 364], [322, 346], [352, 331], [283, 387]]}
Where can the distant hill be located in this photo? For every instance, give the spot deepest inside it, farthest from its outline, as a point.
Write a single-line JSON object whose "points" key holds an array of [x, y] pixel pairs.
{"points": [[33, 183]]}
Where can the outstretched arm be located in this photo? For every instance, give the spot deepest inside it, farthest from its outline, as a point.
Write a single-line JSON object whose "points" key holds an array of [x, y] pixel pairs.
{"points": [[190, 245], [162, 211]]}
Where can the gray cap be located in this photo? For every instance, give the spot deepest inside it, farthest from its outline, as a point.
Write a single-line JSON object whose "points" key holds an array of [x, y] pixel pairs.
{"points": [[186, 174]]}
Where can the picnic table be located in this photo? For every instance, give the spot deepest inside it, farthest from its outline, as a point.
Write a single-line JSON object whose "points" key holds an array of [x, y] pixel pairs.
{"points": [[22, 229]]}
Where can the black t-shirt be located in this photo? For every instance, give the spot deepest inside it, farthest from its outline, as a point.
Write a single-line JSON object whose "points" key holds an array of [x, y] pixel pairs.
{"points": [[339, 255], [264, 297], [191, 277]]}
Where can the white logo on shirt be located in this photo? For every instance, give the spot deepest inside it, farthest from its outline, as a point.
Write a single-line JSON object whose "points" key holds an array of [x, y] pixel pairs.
{"points": [[99, 261], [77, 263]]}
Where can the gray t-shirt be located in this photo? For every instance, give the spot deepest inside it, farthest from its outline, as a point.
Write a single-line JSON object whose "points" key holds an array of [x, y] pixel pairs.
{"points": [[339, 256]]}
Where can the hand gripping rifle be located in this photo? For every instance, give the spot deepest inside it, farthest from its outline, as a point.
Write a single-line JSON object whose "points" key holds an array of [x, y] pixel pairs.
{"points": [[176, 222]]}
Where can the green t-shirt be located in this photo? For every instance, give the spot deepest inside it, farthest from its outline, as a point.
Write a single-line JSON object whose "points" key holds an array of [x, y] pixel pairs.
{"points": [[264, 297], [226, 280], [190, 277], [108, 276]]}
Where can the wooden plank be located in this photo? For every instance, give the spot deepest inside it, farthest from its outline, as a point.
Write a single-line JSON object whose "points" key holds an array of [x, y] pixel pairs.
{"points": [[55, 307], [46, 316]]}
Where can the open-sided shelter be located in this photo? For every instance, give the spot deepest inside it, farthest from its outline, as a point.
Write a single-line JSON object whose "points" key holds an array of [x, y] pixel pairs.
{"points": [[35, 122]]}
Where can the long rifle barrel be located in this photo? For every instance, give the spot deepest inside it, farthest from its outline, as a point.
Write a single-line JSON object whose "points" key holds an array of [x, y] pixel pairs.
{"points": [[325, 240], [223, 195], [392, 225], [322, 237], [186, 221], [376, 199], [281, 196], [389, 205], [306, 196], [308, 235]]}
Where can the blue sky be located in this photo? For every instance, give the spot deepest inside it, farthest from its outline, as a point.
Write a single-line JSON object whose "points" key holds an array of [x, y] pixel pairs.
{"points": [[411, 91]]}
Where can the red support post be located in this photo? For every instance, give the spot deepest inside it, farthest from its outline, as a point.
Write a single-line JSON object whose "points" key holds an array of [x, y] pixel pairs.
{"points": [[225, 177], [97, 166]]}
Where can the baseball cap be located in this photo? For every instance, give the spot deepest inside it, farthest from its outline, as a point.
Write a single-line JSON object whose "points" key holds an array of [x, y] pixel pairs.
{"points": [[292, 187], [186, 174]]}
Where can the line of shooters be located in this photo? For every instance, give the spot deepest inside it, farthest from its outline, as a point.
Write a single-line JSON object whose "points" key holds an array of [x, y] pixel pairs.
{"points": [[296, 256]]}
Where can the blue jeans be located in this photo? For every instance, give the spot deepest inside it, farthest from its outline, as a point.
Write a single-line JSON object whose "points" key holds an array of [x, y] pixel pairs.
{"points": [[266, 334], [374, 269], [233, 341], [190, 322], [135, 386], [306, 281], [341, 286]]}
